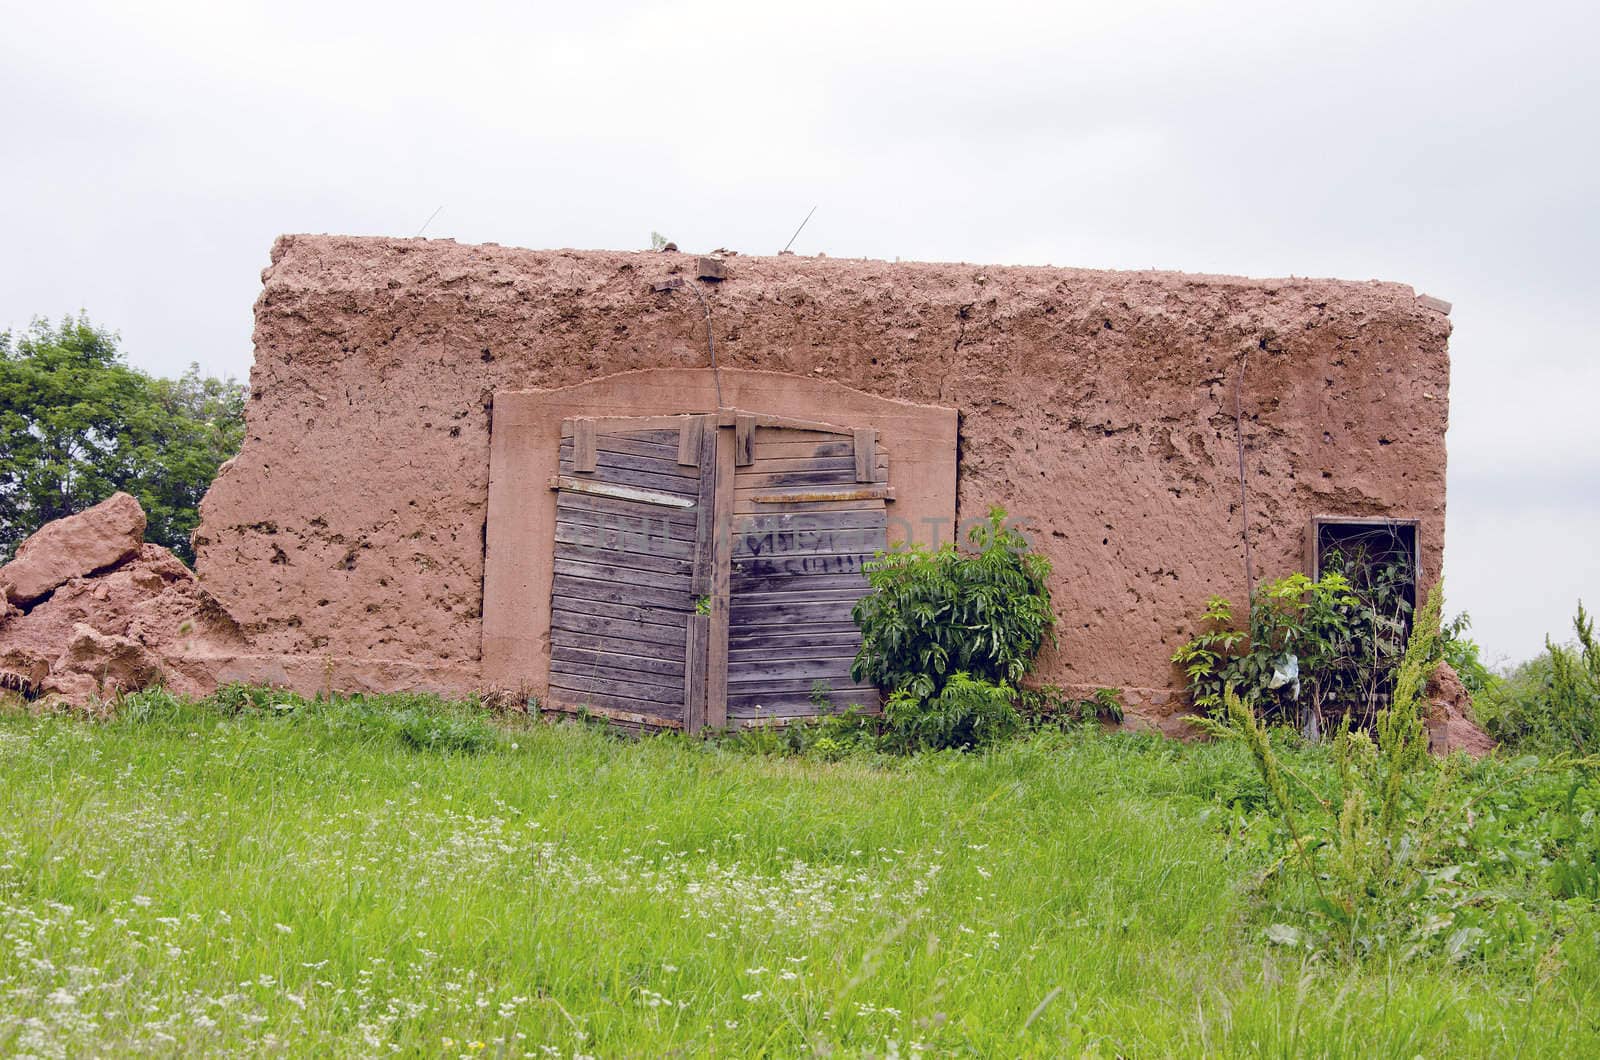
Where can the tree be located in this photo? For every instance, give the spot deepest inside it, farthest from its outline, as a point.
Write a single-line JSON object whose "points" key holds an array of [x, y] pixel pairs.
{"points": [[77, 424]]}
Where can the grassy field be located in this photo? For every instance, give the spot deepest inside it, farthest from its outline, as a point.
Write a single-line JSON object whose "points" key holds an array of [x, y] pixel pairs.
{"points": [[336, 881]]}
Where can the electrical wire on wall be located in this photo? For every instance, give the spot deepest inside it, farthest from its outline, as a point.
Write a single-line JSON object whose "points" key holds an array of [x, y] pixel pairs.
{"points": [[711, 344], [1244, 490]]}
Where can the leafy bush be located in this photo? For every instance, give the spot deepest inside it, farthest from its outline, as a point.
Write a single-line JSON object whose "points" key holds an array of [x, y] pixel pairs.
{"points": [[1551, 703], [1050, 705], [966, 712], [1464, 656], [1313, 649], [933, 613], [949, 635]]}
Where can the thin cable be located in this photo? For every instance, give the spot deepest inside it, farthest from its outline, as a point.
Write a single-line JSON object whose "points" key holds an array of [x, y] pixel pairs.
{"points": [[1244, 492]]}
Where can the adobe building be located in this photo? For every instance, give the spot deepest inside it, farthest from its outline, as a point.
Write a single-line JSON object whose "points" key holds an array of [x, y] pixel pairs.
{"points": [[483, 468]]}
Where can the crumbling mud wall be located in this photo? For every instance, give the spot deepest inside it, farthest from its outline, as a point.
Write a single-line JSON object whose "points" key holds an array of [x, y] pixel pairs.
{"points": [[88, 610], [1098, 407]]}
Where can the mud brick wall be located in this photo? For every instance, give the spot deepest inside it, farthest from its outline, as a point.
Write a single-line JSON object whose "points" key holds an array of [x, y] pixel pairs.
{"points": [[347, 538]]}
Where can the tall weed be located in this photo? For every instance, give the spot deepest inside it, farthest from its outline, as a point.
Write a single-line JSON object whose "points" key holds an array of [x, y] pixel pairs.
{"points": [[1384, 858]]}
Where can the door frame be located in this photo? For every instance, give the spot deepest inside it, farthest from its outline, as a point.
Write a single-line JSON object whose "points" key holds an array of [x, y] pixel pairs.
{"points": [[524, 451]]}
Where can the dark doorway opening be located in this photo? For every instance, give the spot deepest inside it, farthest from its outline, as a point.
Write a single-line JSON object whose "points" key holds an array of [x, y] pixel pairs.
{"points": [[1380, 559]]}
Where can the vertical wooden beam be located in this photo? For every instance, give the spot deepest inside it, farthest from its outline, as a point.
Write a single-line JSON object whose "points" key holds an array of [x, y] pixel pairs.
{"points": [[744, 440], [689, 433], [583, 445], [704, 527], [721, 581], [704, 436], [694, 673], [866, 454]]}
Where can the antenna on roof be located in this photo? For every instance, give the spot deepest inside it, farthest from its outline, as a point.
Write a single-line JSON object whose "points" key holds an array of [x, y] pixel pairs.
{"points": [[797, 231], [434, 214]]}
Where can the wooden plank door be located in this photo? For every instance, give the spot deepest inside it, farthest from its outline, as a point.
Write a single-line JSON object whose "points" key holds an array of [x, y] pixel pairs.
{"points": [[706, 567], [807, 510], [632, 508]]}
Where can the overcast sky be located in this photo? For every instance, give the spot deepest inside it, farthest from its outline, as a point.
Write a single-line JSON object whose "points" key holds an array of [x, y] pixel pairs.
{"points": [[155, 150]]}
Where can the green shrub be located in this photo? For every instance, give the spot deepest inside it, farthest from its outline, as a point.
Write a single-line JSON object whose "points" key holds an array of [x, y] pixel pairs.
{"points": [[1314, 650], [1464, 656], [948, 635], [967, 712], [1050, 705], [933, 613], [1516, 710], [1551, 703]]}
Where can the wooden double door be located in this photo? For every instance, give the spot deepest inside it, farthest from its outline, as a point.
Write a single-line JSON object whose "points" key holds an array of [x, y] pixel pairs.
{"points": [[706, 566]]}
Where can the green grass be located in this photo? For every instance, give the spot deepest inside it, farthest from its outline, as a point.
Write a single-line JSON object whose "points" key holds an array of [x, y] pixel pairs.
{"points": [[386, 876]]}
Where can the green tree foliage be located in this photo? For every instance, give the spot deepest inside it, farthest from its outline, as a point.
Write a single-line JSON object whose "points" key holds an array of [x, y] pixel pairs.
{"points": [[77, 424]]}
